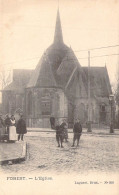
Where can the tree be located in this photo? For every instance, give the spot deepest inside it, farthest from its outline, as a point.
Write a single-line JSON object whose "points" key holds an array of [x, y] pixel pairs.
{"points": [[5, 78]]}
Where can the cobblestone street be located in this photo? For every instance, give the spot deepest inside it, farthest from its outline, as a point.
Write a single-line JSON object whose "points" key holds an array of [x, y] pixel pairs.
{"points": [[98, 153]]}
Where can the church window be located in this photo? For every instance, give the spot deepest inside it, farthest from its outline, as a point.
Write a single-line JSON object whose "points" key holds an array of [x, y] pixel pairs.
{"points": [[46, 105]]}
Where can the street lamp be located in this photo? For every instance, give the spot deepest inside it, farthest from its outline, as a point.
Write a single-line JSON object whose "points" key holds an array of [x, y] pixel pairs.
{"points": [[111, 100], [89, 96]]}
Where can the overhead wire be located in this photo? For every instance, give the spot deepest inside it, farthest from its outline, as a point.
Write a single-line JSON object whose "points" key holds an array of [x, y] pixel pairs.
{"points": [[68, 59], [98, 48]]}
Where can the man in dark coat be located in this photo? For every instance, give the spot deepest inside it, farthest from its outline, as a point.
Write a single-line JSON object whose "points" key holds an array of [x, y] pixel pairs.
{"points": [[59, 135], [21, 128], [77, 129], [52, 122]]}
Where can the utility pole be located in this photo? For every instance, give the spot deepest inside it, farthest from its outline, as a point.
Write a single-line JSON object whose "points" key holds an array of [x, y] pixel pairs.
{"points": [[89, 102]]}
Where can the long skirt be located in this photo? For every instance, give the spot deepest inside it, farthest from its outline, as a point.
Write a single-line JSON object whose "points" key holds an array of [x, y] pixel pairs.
{"points": [[12, 133]]}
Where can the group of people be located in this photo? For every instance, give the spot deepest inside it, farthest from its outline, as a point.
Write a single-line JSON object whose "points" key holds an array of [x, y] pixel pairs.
{"points": [[62, 131], [13, 127], [14, 130]]}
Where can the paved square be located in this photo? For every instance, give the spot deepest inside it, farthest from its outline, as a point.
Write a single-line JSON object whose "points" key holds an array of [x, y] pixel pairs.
{"points": [[98, 153]]}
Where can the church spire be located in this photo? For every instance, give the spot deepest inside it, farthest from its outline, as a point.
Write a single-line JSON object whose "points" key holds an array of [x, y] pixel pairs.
{"points": [[58, 38]]}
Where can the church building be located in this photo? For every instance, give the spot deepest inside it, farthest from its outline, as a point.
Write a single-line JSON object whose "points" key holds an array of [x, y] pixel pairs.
{"points": [[58, 87]]}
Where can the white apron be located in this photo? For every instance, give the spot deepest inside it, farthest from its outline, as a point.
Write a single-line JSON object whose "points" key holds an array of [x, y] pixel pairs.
{"points": [[12, 131]]}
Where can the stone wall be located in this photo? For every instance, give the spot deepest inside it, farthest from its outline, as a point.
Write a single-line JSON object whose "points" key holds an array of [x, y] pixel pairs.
{"points": [[42, 103], [38, 104]]}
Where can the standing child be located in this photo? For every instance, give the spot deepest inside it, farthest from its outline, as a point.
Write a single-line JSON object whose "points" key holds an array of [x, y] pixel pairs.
{"points": [[77, 129]]}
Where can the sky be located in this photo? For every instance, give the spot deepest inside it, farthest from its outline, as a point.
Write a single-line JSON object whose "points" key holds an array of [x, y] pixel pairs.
{"points": [[27, 30]]}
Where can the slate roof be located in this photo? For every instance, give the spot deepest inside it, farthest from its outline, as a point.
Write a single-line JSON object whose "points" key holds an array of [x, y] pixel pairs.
{"points": [[68, 67], [99, 81], [43, 76], [57, 63]]}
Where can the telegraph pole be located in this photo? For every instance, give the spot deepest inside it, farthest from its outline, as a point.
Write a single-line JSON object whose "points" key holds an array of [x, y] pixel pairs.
{"points": [[89, 102]]}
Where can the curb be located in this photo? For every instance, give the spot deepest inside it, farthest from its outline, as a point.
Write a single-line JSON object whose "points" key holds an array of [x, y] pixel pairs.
{"points": [[18, 159]]}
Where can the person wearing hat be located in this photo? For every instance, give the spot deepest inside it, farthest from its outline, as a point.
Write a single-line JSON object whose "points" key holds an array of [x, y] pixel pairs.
{"points": [[77, 129], [21, 128]]}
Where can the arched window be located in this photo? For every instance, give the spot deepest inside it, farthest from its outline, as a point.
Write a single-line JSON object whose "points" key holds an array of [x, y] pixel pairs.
{"points": [[29, 105], [102, 107], [46, 105]]}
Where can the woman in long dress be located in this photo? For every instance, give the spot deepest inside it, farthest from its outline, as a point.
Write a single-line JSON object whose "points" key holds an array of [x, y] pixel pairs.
{"points": [[12, 129]]}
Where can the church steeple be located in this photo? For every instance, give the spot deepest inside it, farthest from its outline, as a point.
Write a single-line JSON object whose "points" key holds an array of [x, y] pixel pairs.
{"points": [[58, 38]]}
